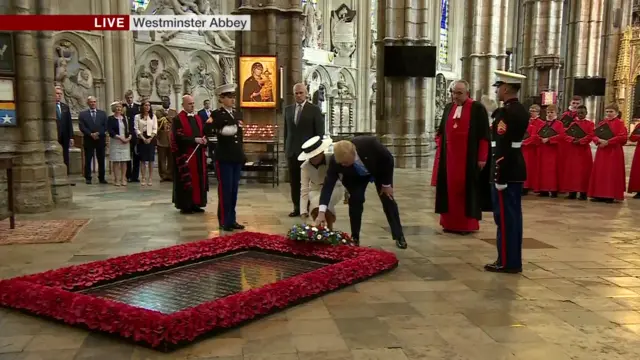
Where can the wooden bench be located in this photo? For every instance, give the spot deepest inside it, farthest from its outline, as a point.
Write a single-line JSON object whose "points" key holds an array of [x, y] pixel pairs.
{"points": [[6, 163]]}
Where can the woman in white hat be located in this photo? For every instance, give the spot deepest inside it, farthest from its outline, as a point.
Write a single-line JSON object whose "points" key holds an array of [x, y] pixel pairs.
{"points": [[315, 156]]}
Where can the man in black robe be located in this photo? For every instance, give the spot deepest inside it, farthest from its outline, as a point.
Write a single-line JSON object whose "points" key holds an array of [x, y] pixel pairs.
{"points": [[461, 199], [188, 145]]}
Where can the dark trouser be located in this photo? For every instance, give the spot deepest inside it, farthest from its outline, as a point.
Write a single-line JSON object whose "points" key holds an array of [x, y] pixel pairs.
{"points": [[294, 180], [133, 166], [507, 213], [65, 152], [357, 192], [228, 174], [165, 163], [92, 147]]}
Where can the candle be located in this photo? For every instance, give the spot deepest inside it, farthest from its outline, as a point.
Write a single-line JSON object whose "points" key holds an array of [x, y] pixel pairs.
{"points": [[281, 82]]}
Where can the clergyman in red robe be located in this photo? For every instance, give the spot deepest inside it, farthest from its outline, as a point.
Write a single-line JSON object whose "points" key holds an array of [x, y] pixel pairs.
{"points": [[189, 146], [607, 182], [462, 189], [548, 152], [634, 178], [578, 159], [530, 147]]}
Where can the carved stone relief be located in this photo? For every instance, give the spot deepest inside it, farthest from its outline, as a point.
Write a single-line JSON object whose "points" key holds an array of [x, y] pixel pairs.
{"points": [[441, 96], [228, 67], [156, 73], [144, 82], [343, 31], [311, 27], [343, 104], [74, 74], [199, 79], [373, 50]]}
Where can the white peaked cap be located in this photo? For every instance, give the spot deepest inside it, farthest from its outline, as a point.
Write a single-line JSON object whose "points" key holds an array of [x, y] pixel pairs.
{"points": [[505, 77], [226, 88]]}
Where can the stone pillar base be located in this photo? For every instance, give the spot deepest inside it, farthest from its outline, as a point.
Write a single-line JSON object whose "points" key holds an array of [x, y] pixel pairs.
{"points": [[75, 161]]}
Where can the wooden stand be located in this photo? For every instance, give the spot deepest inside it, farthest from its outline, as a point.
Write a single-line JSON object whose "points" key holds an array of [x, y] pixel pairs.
{"points": [[6, 163]]}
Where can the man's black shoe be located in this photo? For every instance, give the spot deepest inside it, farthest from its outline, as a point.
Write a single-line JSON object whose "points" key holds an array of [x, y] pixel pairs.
{"points": [[494, 267], [88, 182], [237, 226], [227, 228], [186, 212], [572, 196], [583, 196], [104, 182], [197, 210], [401, 243], [356, 240], [636, 196], [294, 213]]}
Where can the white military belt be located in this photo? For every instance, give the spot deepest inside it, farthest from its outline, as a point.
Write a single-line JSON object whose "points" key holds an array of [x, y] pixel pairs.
{"points": [[514, 145]]}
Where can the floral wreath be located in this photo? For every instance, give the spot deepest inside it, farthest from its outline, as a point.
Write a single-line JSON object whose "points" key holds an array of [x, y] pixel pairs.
{"points": [[319, 234]]}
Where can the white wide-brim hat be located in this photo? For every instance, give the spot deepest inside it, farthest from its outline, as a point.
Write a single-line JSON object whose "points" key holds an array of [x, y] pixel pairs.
{"points": [[314, 146]]}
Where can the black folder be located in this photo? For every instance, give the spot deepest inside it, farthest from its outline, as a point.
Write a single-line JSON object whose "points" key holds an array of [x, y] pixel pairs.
{"points": [[636, 130], [547, 131], [604, 132], [566, 121], [575, 131]]}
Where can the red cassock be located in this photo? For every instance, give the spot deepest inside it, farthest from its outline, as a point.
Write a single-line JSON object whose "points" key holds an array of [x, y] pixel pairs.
{"points": [[563, 145], [436, 162], [575, 172], [547, 179], [608, 174], [457, 141], [530, 152], [634, 179]]}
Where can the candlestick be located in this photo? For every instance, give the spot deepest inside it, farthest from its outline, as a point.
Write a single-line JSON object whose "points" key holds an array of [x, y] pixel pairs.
{"points": [[281, 82]]}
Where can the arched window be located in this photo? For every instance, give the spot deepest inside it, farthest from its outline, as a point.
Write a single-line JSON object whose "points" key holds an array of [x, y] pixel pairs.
{"points": [[314, 2], [374, 15], [444, 32], [140, 5]]}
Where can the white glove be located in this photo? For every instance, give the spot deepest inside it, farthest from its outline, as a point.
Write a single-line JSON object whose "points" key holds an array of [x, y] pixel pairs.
{"points": [[501, 187]]}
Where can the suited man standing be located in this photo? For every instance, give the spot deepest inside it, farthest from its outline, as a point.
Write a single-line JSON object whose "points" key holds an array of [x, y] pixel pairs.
{"points": [[93, 125], [65, 126], [361, 161], [205, 112], [302, 121], [132, 109]]}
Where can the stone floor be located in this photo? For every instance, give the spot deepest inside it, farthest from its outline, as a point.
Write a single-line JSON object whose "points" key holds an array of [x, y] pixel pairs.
{"points": [[578, 298]]}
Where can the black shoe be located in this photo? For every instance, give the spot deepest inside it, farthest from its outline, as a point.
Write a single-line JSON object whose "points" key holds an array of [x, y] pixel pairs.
{"points": [[572, 196], [583, 196], [463, 233], [72, 184], [186, 212], [294, 213], [636, 196], [525, 192], [494, 267], [104, 182], [227, 228], [554, 194], [401, 243], [543, 194], [197, 210], [237, 226], [356, 241], [88, 182]]}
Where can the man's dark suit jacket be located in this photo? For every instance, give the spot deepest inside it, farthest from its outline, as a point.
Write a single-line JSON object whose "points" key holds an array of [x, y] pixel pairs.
{"points": [[203, 114], [88, 126], [131, 111], [311, 124], [65, 125], [375, 157]]}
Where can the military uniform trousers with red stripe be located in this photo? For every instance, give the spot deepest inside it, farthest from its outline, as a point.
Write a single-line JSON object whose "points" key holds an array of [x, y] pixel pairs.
{"points": [[228, 174], [507, 213]]}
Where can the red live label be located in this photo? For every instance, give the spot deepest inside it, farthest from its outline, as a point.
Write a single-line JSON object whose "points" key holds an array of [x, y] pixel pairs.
{"points": [[111, 22]]}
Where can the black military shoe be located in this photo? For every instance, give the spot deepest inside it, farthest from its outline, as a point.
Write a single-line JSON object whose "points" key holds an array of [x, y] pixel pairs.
{"points": [[197, 210], [294, 213], [401, 243], [227, 228], [186, 212], [237, 226], [356, 240], [494, 267]]}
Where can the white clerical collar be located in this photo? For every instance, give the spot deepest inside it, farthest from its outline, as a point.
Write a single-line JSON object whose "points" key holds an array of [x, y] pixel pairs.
{"points": [[458, 113], [189, 114]]}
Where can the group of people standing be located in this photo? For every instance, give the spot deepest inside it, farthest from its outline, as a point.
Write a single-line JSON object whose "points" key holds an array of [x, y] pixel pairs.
{"points": [[559, 158]]}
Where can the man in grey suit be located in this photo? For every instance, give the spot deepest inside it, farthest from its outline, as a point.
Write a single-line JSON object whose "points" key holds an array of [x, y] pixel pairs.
{"points": [[302, 121], [93, 124]]}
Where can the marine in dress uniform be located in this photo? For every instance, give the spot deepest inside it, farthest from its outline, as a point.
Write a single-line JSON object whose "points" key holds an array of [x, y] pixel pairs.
{"points": [[229, 156], [509, 126]]}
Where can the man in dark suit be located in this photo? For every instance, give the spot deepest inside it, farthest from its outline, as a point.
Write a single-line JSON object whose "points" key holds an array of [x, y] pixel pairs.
{"points": [[131, 110], [65, 126], [205, 112], [361, 161], [302, 121], [93, 125]]}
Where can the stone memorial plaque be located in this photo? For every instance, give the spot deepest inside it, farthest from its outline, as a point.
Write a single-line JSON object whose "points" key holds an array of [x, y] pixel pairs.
{"points": [[190, 285]]}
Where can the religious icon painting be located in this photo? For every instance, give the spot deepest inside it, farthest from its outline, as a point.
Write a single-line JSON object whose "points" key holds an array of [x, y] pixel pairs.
{"points": [[502, 127], [258, 81]]}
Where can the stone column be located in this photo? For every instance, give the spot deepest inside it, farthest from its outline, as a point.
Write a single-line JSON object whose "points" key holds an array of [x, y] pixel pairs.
{"points": [[275, 30], [583, 56], [542, 33], [616, 19], [107, 49], [401, 103], [32, 181], [177, 100], [127, 56], [485, 39], [362, 64]]}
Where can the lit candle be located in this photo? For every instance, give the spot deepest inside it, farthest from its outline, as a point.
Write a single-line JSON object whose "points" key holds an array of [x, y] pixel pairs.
{"points": [[281, 82]]}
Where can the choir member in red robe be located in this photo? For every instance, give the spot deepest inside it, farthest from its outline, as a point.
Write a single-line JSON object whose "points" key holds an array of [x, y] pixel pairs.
{"points": [[607, 182], [188, 145], [634, 179], [547, 179], [578, 159], [530, 148], [436, 162], [462, 189], [566, 119]]}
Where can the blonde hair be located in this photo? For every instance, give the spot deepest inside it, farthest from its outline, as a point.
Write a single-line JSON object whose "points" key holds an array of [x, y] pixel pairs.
{"points": [[534, 107], [342, 149], [114, 105], [612, 106], [553, 108]]}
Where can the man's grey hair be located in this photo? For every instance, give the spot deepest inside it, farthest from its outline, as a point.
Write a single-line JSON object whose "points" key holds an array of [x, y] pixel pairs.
{"points": [[463, 82]]}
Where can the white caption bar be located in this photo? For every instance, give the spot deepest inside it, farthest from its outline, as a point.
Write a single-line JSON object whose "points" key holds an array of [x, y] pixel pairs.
{"points": [[190, 22]]}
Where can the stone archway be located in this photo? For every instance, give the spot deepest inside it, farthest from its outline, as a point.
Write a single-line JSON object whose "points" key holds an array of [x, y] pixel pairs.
{"points": [[318, 83], [202, 76], [77, 69]]}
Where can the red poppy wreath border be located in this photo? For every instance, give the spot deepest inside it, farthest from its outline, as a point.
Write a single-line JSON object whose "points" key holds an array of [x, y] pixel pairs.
{"points": [[51, 293]]}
